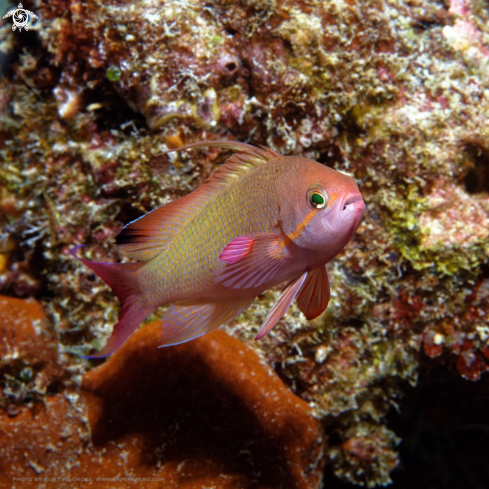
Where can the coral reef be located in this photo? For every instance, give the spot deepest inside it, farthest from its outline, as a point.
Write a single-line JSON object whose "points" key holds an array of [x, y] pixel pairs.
{"points": [[210, 414], [394, 93]]}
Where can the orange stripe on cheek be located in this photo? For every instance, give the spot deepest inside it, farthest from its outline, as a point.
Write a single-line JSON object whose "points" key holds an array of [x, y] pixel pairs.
{"points": [[332, 199], [302, 225]]}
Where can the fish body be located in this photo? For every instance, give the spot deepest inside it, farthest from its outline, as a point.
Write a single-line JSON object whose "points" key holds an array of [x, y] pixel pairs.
{"points": [[260, 220]]}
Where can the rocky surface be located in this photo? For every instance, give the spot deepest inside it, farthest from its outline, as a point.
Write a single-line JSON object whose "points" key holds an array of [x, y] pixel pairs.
{"points": [[30, 368], [394, 93]]}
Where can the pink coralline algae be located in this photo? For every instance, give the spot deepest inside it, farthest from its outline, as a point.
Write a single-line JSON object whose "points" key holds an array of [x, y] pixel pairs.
{"points": [[395, 94]]}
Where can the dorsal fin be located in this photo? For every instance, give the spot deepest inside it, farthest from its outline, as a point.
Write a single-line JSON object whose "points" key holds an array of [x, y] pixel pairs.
{"points": [[247, 149], [146, 237]]}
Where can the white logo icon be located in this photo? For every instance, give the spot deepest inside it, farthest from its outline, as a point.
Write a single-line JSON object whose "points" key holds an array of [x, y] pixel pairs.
{"points": [[20, 17]]}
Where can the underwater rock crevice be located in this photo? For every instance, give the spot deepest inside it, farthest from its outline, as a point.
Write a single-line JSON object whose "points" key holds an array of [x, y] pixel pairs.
{"points": [[476, 178]]}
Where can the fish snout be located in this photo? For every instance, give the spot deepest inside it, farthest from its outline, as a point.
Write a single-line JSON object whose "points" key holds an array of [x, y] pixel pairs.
{"points": [[354, 199], [353, 209]]}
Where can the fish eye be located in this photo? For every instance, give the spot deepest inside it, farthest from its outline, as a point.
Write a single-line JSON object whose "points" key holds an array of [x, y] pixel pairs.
{"points": [[317, 198]]}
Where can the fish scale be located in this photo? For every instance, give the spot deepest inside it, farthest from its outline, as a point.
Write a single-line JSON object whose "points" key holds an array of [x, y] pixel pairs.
{"points": [[260, 220], [193, 279]]}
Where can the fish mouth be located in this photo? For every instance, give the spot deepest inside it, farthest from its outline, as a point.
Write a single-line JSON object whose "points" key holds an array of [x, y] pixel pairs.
{"points": [[352, 199]]}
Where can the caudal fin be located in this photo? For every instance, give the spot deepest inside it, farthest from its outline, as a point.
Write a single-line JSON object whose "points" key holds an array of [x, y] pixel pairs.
{"points": [[122, 279]]}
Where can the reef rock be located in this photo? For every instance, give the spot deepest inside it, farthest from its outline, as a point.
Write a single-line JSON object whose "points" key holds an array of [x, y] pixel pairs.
{"points": [[395, 93], [45, 445], [29, 365]]}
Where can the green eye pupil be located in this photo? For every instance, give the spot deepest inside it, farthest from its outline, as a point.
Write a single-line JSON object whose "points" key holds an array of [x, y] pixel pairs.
{"points": [[317, 199]]}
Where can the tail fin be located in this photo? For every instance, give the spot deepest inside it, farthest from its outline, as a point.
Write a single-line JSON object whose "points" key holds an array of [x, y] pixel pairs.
{"points": [[121, 278]]}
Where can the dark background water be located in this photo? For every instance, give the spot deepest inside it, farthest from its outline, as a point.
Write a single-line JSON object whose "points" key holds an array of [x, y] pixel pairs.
{"points": [[444, 426]]}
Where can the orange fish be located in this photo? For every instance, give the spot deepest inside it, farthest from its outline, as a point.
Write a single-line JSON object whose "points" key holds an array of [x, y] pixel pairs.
{"points": [[260, 220]]}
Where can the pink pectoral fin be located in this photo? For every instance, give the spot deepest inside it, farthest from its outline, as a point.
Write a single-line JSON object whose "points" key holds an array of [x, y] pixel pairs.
{"points": [[280, 308], [314, 295], [251, 260], [237, 249]]}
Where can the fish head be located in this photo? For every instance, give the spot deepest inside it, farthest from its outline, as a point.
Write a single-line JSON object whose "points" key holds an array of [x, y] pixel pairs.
{"points": [[323, 208]]}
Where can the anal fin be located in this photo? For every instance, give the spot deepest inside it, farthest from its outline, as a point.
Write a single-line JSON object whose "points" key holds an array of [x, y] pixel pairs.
{"points": [[187, 320]]}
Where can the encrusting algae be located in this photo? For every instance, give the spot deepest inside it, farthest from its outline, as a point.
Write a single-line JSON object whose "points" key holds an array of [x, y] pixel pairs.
{"points": [[395, 94]]}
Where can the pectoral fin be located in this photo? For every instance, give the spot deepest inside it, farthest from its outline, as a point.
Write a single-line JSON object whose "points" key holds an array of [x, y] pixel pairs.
{"points": [[314, 296], [237, 249], [251, 260], [187, 320], [280, 308]]}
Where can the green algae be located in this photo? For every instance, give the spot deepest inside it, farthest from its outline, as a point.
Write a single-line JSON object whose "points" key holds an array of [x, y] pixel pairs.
{"points": [[113, 74]]}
